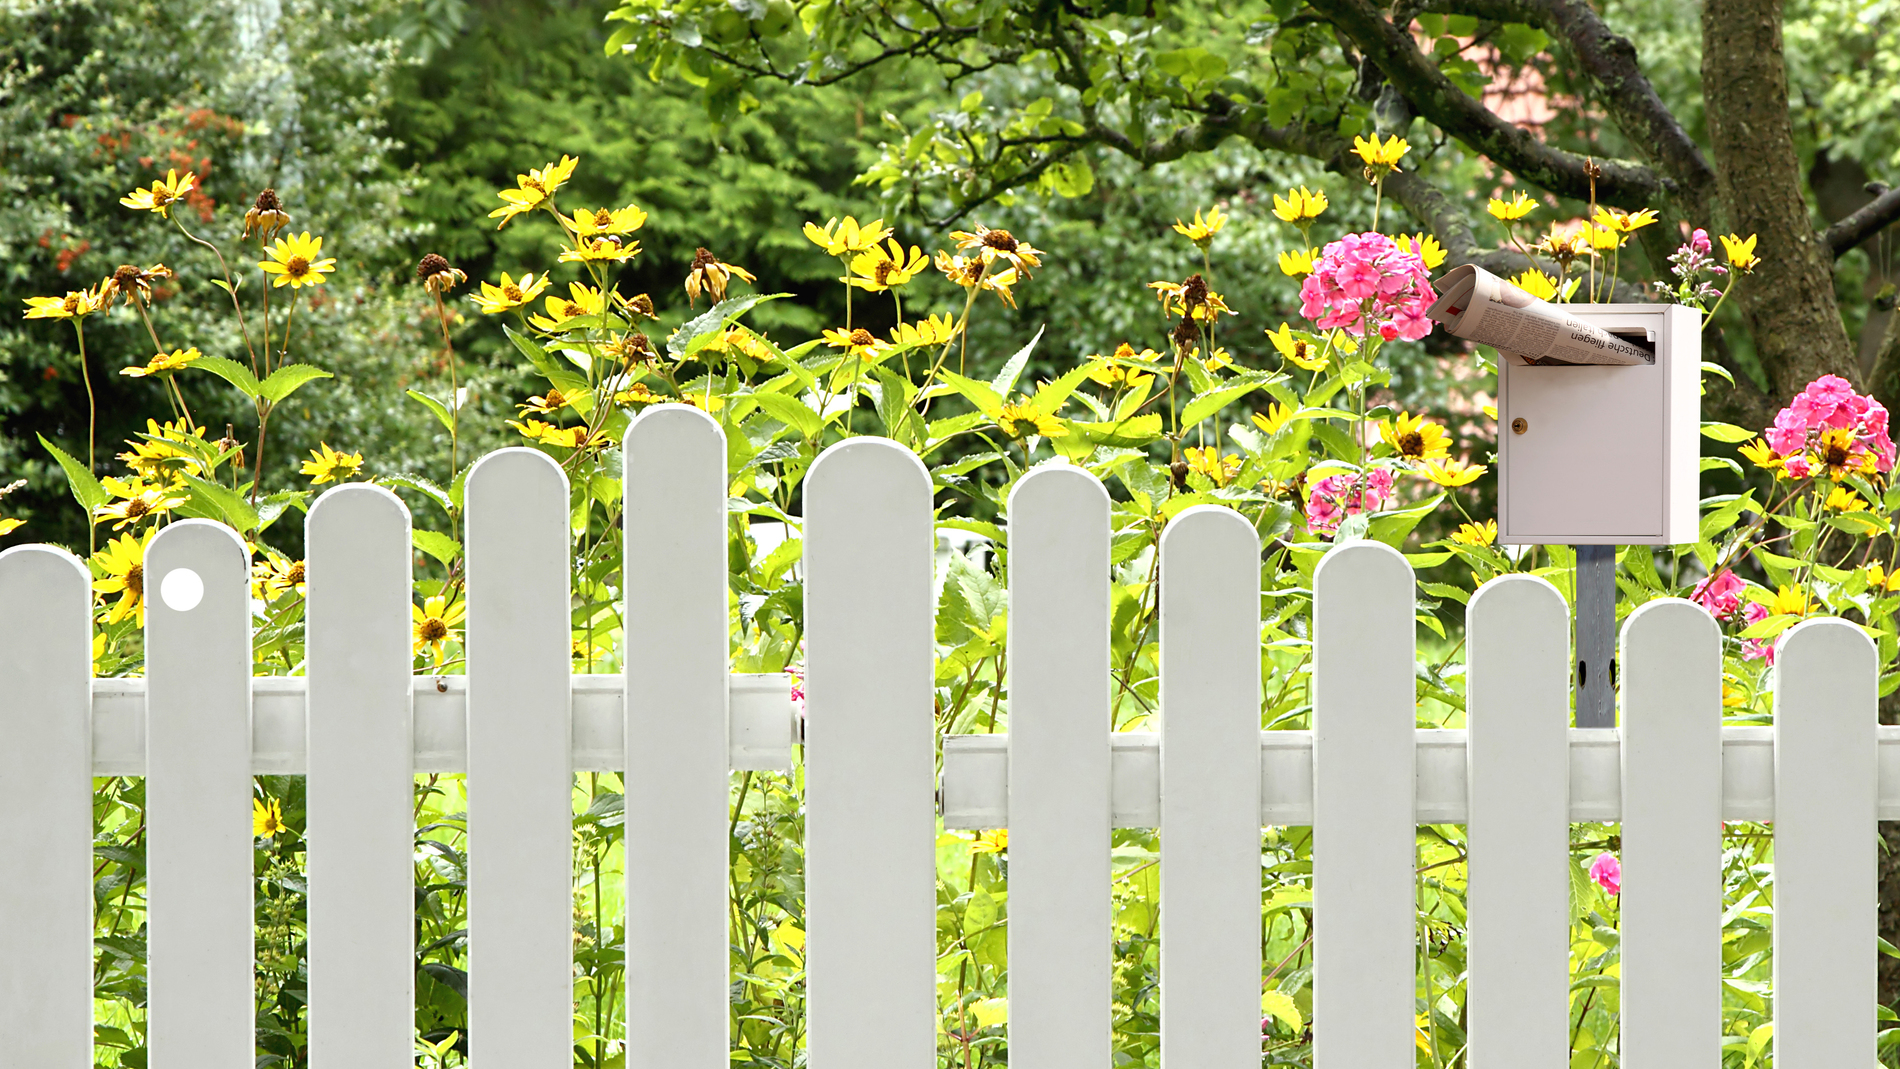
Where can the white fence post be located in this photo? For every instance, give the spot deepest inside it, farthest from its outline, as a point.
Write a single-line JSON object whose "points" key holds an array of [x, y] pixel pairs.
{"points": [[1671, 995], [1364, 853], [360, 794], [198, 798], [45, 809], [1059, 908], [678, 779], [1210, 791], [1825, 861], [870, 825], [520, 774], [1518, 830]]}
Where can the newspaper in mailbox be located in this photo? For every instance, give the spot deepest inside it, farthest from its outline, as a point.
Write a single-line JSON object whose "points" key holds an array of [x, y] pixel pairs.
{"points": [[1479, 306]]}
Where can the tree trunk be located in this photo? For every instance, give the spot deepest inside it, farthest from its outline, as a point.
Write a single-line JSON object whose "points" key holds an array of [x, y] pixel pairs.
{"points": [[1789, 300]]}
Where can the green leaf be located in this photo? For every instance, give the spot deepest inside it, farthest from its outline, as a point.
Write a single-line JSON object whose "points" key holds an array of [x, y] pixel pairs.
{"points": [[438, 545], [1207, 404], [1771, 626], [1717, 370], [1280, 1006], [1858, 523], [693, 335], [215, 501], [86, 489], [1712, 463], [791, 412], [285, 380], [420, 485], [1727, 432], [231, 372], [441, 410], [983, 395], [1005, 379], [1052, 395]]}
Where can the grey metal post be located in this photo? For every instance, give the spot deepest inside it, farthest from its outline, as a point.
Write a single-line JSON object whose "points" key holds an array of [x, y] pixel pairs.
{"points": [[1596, 636]]}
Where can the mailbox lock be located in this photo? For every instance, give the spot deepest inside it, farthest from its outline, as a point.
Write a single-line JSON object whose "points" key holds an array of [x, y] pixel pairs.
{"points": [[1520, 425]]}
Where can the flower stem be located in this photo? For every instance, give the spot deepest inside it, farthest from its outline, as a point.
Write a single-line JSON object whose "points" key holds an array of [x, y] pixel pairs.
{"points": [[92, 423], [455, 408]]}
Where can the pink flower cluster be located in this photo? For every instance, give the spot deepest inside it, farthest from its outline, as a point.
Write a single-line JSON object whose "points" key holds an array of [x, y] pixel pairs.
{"points": [[1607, 871], [1365, 282], [1332, 499], [1830, 402], [1721, 594]]}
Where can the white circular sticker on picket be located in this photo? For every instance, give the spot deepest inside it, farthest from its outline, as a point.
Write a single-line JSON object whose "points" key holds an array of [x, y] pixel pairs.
{"points": [[181, 590]]}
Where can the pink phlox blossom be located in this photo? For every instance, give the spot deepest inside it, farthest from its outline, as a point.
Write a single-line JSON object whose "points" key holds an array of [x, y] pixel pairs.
{"points": [[1757, 649], [797, 674], [1332, 499], [1607, 871], [1720, 593], [1365, 282], [1699, 241], [1830, 402]]}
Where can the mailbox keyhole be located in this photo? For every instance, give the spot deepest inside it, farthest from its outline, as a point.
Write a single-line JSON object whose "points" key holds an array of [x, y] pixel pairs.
{"points": [[1520, 425]]}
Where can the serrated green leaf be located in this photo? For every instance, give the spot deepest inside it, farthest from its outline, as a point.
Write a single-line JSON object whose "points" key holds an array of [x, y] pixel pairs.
{"points": [[234, 373], [86, 489], [1005, 379], [981, 394], [441, 410], [1727, 432], [216, 501], [791, 412], [285, 380], [1209, 403], [437, 545], [693, 334], [420, 485]]}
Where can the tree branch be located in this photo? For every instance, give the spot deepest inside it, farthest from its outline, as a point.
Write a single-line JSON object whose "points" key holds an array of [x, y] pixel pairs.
{"points": [[1871, 219]]}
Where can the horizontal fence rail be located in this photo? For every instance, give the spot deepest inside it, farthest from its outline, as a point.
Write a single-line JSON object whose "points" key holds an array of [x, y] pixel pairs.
{"points": [[520, 725]]}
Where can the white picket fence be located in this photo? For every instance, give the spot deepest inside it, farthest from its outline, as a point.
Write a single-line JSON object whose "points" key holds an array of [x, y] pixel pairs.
{"points": [[1363, 778]]}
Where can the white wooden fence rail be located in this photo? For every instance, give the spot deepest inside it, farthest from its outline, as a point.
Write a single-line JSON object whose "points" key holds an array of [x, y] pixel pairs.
{"points": [[361, 726]]}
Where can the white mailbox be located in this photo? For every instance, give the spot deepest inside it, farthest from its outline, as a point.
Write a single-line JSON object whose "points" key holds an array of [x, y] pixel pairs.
{"points": [[1604, 454]]}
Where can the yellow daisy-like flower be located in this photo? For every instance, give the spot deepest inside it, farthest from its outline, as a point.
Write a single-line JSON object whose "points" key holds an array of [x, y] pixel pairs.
{"points": [[295, 262], [711, 275], [1298, 350], [1448, 472], [532, 189], [162, 195], [1602, 237], [1119, 376], [77, 304], [581, 301], [1790, 601], [1564, 248], [1621, 221], [565, 437], [435, 623], [510, 294], [877, 270], [1415, 437], [137, 501], [1835, 454], [1200, 231], [1536, 283], [1741, 252], [157, 451], [993, 245], [859, 342], [552, 401], [1376, 155], [934, 330], [993, 841], [1299, 205], [607, 249], [1021, 419], [1216, 361], [267, 818], [1425, 245], [1877, 578], [328, 465], [1275, 417], [123, 562], [601, 221], [1841, 499], [9, 524], [1476, 534], [968, 271], [1298, 262], [841, 237], [277, 575], [1219, 469], [637, 394], [164, 363], [1764, 457], [1516, 208]]}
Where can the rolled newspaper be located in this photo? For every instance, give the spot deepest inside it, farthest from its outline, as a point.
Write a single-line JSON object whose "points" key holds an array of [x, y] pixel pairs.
{"points": [[1479, 306]]}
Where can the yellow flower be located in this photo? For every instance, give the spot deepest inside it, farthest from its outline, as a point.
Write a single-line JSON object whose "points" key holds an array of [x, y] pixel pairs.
{"points": [[1385, 156], [1733, 697], [157, 451], [295, 262], [164, 363], [435, 622], [1276, 416], [1536, 283], [131, 282], [581, 301], [1564, 248], [1425, 245], [552, 401], [935, 330], [1474, 534], [973, 271], [600, 221], [705, 402], [533, 189], [277, 575], [327, 465], [510, 294], [1218, 469], [565, 437], [123, 562], [1201, 232], [1877, 578], [1118, 376], [602, 249], [1298, 262], [1835, 455], [859, 342], [1415, 438], [1021, 419], [8, 525], [1841, 499], [266, 216], [1490, 411], [637, 394], [1215, 362], [1298, 350], [1741, 253], [993, 245], [842, 237], [77, 304], [138, 501], [1299, 204], [877, 270], [1764, 457], [711, 275], [1450, 472], [267, 819], [1517, 208], [994, 841], [160, 197], [1790, 601]]}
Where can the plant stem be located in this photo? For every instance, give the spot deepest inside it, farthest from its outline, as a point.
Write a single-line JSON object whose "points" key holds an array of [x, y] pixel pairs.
{"points": [[455, 407]]}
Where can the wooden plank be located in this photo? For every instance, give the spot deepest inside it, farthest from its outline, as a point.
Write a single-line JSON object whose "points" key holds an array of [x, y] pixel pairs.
{"points": [[1672, 838], [1364, 894], [870, 825], [677, 780], [1518, 708], [45, 809], [520, 779], [360, 793], [1210, 790], [1825, 845], [198, 798], [1059, 870]]}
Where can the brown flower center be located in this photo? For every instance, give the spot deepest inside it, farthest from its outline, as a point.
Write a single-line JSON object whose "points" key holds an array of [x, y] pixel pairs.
{"points": [[862, 337], [267, 201], [298, 267], [1835, 455], [512, 293], [161, 195], [72, 303], [432, 630], [884, 269], [569, 310], [1001, 240], [137, 507], [1411, 444], [1194, 291], [135, 581], [432, 264], [294, 577], [703, 259], [603, 218]]}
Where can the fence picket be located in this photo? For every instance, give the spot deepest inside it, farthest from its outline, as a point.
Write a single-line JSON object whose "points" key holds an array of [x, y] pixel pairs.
{"points": [[1363, 826], [520, 776], [1671, 994], [1210, 790], [1825, 843], [45, 809], [870, 858], [198, 798], [1518, 831], [360, 792], [678, 777], [1059, 917]]}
